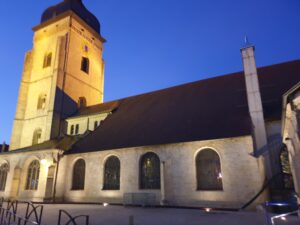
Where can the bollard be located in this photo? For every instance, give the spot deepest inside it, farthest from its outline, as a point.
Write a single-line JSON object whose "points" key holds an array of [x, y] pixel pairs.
{"points": [[131, 220]]}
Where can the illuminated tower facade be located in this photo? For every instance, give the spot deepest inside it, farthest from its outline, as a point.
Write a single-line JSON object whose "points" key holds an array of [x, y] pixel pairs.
{"points": [[63, 72]]}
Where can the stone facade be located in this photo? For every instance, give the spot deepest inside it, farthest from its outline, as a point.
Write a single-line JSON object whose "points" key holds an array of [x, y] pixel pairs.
{"points": [[240, 174], [291, 133], [68, 40], [55, 87]]}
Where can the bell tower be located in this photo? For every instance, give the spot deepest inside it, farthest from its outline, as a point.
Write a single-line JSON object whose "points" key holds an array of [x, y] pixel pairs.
{"points": [[63, 72]]}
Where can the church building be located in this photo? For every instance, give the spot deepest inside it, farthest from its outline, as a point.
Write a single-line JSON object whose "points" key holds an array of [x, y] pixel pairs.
{"points": [[210, 143]]}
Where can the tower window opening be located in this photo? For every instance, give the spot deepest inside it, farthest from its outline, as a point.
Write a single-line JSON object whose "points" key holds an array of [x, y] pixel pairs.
{"points": [[37, 136], [42, 102], [47, 60], [82, 102], [85, 65]]}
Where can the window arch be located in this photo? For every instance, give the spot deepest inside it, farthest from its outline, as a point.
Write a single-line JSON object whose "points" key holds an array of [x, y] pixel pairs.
{"points": [[33, 174], [3, 176], [208, 170], [150, 171], [112, 174], [42, 102], [78, 175], [37, 136]]}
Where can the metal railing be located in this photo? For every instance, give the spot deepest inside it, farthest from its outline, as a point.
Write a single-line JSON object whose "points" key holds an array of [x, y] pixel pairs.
{"points": [[270, 218], [9, 216], [72, 220]]}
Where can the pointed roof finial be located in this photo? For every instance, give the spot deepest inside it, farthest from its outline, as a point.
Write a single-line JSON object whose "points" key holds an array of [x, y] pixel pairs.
{"points": [[246, 40], [247, 43]]}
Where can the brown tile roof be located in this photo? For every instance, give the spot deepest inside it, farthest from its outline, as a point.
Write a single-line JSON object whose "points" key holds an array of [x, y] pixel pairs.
{"points": [[207, 109]]}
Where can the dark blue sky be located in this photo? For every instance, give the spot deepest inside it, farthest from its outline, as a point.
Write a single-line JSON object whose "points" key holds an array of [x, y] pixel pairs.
{"points": [[154, 44]]}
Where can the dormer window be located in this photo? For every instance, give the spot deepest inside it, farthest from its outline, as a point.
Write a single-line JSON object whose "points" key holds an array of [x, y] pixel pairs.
{"points": [[85, 64], [77, 129], [95, 125], [72, 130], [47, 60]]}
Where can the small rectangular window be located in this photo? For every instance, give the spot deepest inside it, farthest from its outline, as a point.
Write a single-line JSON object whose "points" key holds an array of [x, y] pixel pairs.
{"points": [[72, 130], [77, 129], [47, 60], [85, 65]]}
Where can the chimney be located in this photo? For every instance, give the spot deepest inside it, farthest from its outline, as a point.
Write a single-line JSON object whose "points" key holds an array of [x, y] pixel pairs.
{"points": [[255, 103]]}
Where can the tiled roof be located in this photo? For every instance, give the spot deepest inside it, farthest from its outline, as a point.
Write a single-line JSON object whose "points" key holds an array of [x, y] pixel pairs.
{"points": [[203, 110]]}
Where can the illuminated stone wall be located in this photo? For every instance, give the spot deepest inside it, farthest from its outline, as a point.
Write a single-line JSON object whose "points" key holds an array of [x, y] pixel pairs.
{"points": [[240, 172], [18, 170], [63, 83]]}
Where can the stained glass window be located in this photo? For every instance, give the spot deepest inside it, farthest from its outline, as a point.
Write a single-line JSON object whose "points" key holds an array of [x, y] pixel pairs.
{"points": [[150, 171], [208, 169], [33, 175], [112, 174], [3, 176], [78, 175]]}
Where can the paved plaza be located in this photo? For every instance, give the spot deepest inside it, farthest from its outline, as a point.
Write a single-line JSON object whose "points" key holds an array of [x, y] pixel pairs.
{"points": [[119, 215]]}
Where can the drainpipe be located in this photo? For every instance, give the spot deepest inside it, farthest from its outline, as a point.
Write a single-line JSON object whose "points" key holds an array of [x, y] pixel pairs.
{"points": [[59, 156]]}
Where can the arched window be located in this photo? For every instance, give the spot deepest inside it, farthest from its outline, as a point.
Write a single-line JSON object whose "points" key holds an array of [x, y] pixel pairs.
{"points": [[78, 175], [37, 136], [47, 60], [150, 171], [287, 178], [3, 176], [85, 65], [112, 174], [42, 102], [33, 174], [208, 170]]}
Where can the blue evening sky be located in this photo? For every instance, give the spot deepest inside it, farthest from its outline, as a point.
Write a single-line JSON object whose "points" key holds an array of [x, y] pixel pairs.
{"points": [[154, 44]]}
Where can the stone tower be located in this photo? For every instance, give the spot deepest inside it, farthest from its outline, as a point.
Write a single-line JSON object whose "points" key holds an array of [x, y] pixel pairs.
{"points": [[63, 72]]}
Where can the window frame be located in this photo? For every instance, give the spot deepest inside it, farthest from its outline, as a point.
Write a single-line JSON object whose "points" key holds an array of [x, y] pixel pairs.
{"points": [[108, 186], [145, 184], [218, 176], [4, 168], [77, 184], [33, 176]]}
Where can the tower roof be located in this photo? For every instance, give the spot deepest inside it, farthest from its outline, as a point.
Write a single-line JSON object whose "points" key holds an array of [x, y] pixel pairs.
{"points": [[72, 5]]}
